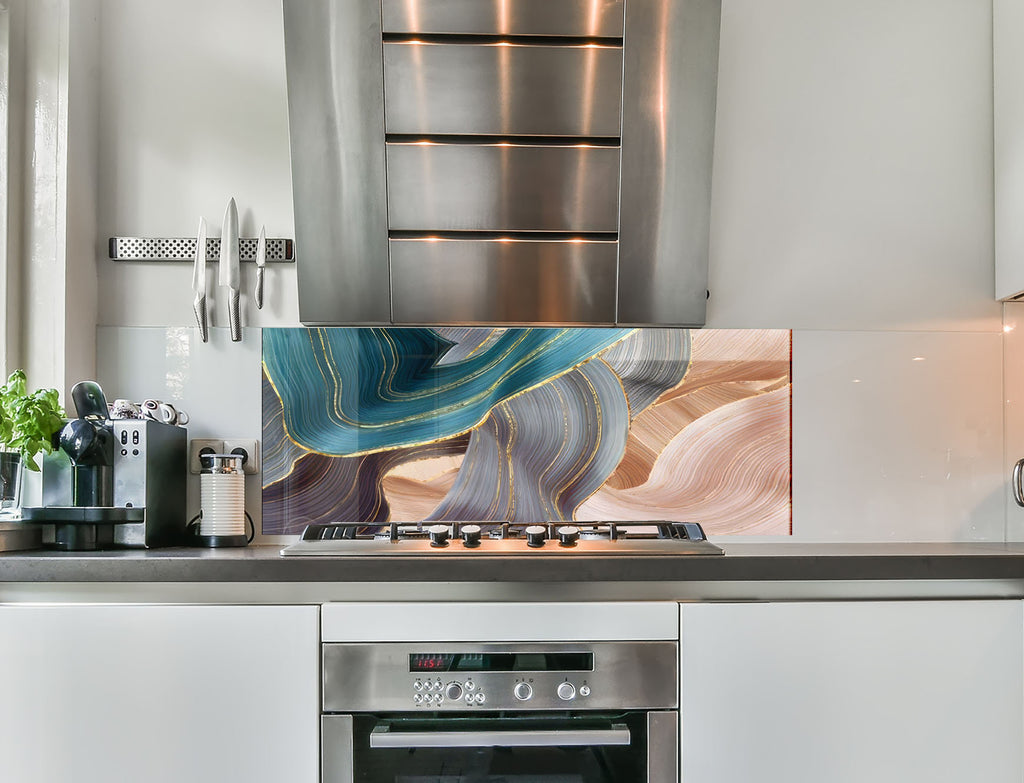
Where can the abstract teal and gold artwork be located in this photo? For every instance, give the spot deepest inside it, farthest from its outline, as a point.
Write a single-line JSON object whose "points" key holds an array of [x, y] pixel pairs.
{"points": [[526, 424]]}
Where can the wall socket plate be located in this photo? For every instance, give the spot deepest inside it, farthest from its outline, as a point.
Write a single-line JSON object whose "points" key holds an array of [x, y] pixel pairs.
{"points": [[198, 445], [251, 448]]}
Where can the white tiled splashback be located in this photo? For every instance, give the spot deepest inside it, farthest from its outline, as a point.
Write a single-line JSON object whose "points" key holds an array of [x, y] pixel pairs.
{"points": [[218, 383], [897, 436], [1013, 387]]}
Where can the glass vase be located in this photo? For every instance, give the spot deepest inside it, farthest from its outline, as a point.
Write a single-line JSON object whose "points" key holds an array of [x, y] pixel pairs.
{"points": [[11, 469]]}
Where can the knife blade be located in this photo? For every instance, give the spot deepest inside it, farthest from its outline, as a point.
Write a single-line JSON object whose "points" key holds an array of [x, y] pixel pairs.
{"points": [[261, 262], [199, 282], [229, 274]]}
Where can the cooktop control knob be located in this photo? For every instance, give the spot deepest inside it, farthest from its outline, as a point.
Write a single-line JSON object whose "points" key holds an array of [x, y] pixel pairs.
{"points": [[438, 535], [453, 691], [471, 535], [535, 535], [566, 691], [522, 691], [568, 535]]}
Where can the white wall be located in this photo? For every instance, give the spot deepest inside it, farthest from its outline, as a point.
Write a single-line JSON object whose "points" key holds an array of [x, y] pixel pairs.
{"points": [[194, 112], [852, 203]]}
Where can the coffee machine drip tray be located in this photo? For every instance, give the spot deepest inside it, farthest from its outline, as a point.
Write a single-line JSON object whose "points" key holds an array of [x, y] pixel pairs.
{"points": [[83, 527], [88, 515]]}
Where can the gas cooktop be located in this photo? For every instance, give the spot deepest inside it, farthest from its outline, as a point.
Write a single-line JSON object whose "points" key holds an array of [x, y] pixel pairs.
{"points": [[499, 539]]}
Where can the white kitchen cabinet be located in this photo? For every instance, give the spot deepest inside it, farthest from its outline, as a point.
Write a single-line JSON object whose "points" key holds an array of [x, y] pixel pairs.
{"points": [[851, 692], [159, 694], [1008, 135]]}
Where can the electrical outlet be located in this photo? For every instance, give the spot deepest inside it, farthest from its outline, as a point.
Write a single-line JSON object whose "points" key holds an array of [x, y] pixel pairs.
{"points": [[199, 446], [248, 448]]}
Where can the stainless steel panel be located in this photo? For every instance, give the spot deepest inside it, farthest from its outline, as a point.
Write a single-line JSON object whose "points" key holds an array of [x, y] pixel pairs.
{"points": [[493, 281], [669, 92], [502, 187], [663, 747], [376, 677], [599, 18], [336, 120], [382, 737], [502, 89], [336, 749], [491, 547]]}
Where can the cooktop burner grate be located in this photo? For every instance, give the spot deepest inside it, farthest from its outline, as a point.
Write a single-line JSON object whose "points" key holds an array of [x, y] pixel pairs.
{"points": [[503, 538]]}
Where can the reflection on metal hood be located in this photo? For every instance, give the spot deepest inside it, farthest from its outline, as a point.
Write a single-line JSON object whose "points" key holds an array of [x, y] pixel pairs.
{"points": [[502, 161]]}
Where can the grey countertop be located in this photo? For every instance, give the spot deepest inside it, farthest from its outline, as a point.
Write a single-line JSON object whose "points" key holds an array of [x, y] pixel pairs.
{"points": [[741, 563]]}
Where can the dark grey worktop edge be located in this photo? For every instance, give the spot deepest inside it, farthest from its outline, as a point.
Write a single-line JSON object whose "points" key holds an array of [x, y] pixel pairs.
{"points": [[741, 563]]}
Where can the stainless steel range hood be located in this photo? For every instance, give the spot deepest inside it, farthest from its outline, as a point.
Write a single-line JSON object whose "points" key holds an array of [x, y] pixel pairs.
{"points": [[502, 161]]}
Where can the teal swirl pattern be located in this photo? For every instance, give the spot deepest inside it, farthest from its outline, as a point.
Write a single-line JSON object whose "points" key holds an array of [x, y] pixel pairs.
{"points": [[541, 454], [347, 392]]}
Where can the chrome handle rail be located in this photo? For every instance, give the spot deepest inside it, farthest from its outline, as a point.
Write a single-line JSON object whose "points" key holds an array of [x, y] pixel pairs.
{"points": [[383, 737]]}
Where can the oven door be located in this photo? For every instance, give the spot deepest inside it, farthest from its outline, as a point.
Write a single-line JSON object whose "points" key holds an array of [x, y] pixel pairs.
{"points": [[630, 747]]}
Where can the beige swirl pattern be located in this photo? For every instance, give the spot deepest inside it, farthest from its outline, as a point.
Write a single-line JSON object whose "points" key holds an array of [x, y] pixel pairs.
{"points": [[729, 470]]}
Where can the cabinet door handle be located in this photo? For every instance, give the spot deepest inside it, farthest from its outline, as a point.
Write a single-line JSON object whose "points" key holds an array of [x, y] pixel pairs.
{"points": [[382, 737], [1018, 489]]}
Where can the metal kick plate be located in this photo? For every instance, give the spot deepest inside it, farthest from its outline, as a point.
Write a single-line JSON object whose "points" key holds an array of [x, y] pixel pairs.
{"points": [[502, 89]]}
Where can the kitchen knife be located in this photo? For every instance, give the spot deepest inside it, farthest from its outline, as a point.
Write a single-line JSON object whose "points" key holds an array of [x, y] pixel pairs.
{"points": [[199, 282], [261, 262], [229, 275]]}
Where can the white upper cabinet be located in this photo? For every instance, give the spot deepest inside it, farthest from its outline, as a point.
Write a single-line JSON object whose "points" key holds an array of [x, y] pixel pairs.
{"points": [[1008, 117]]}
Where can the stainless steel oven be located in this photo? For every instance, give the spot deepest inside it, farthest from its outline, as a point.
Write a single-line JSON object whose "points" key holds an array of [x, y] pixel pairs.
{"points": [[519, 712]]}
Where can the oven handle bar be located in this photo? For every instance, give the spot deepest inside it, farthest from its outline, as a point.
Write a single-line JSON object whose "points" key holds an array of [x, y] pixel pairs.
{"points": [[382, 737]]}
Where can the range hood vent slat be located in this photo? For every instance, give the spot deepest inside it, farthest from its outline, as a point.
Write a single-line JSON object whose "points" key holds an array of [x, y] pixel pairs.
{"points": [[511, 141], [491, 39], [511, 236]]}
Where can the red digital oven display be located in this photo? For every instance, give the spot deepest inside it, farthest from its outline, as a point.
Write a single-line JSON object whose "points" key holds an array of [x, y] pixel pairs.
{"points": [[431, 662]]}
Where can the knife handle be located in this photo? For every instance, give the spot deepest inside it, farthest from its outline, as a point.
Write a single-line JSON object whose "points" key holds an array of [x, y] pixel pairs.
{"points": [[199, 306], [234, 317], [258, 293]]}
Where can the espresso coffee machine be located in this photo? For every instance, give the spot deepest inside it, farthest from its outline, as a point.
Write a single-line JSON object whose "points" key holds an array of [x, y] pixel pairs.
{"points": [[113, 483]]}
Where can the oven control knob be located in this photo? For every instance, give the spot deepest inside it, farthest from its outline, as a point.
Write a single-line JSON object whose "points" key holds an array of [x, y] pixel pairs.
{"points": [[568, 535], [453, 691], [470, 535], [438, 535], [566, 691], [522, 691], [535, 535]]}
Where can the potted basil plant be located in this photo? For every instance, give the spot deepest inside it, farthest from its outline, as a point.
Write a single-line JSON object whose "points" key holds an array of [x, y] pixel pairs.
{"points": [[28, 423]]}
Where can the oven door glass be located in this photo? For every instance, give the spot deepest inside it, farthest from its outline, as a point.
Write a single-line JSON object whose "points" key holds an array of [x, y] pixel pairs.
{"points": [[606, 748]]}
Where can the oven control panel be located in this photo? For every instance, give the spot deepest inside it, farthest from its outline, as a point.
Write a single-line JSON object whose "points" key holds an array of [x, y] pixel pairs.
{"points": [[439, 692], [479, 677], [535, 691]]}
